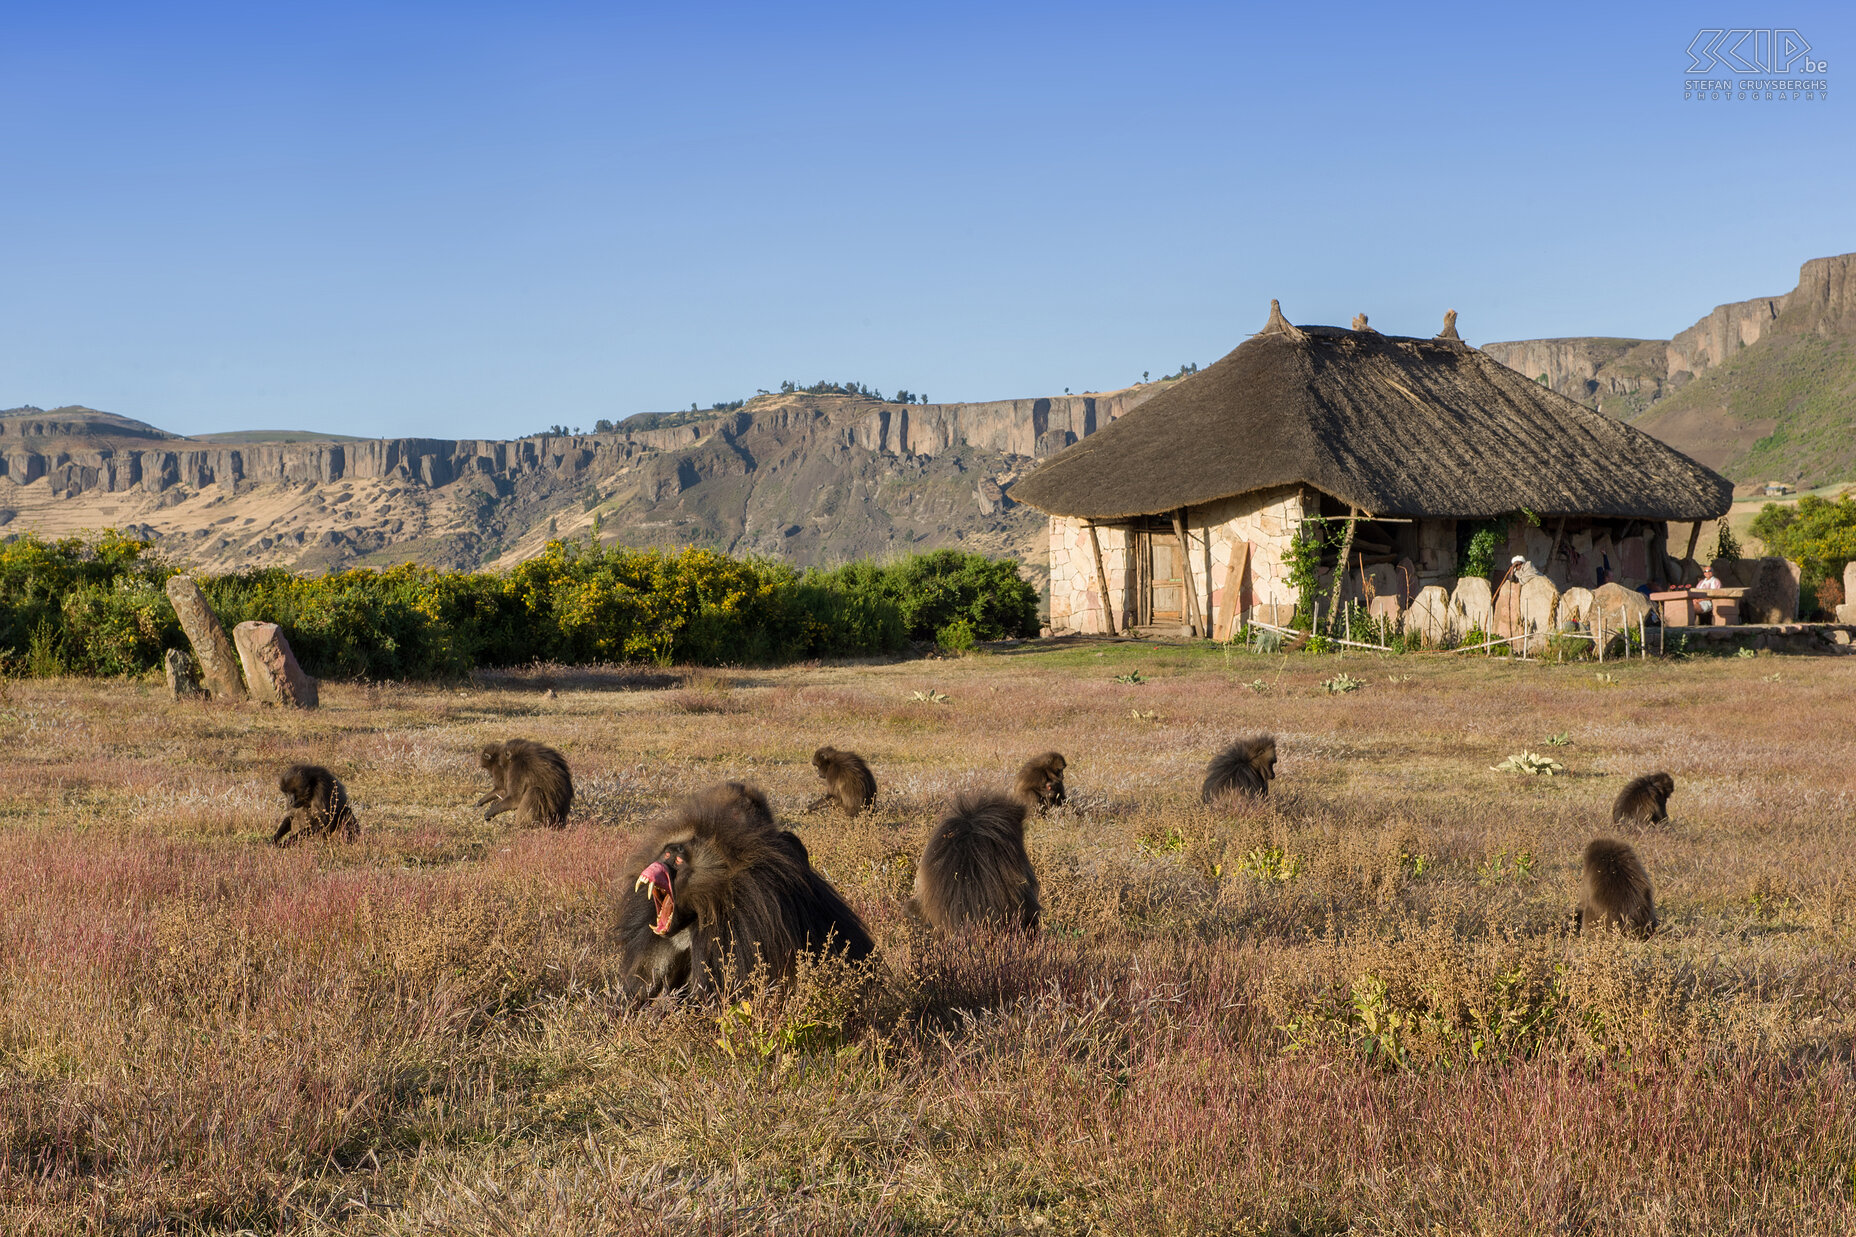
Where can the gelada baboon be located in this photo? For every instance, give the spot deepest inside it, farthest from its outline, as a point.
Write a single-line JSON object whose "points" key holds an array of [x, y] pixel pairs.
{"points": [[1246, 767], [719, 890], [1617, 890], [528, 779], [848, 781], [1040, 782], [975, 869], [318, 804], [1645, 801]]}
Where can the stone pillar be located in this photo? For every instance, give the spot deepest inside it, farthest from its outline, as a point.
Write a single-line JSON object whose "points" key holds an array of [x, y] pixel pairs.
{"points": [[217, 659], [270, 666], [179, 668]]}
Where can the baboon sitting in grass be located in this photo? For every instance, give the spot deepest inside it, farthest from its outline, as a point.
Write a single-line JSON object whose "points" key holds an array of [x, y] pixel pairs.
{"points": [[720, 890], [318, 805], [1617, 890], [1040, 782], [1246, 767], [975, 869], [848, 781], [1645, 801], [528, 779]]}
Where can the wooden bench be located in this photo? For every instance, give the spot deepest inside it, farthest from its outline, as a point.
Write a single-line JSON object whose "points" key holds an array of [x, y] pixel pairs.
{"points": [[1679, 609]]}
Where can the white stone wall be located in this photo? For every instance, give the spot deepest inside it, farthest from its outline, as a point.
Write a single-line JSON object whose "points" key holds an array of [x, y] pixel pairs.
{"points": [[1075, 595], [1267, 520]]}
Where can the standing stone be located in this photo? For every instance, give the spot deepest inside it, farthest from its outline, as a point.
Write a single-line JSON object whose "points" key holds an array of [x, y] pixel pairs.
{"points": [[270, 666], [1617, 608], [1849, 583], [1429, 615], [1507, 622], [1472, 607], [1772, 590], [1575, 607], [1386, 609], [218, 660], [181, 684], [1538, 600]]}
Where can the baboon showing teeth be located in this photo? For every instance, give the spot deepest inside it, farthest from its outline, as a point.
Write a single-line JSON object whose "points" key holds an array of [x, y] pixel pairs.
{"points": [[719, 890], [1246, 767], [1617, 890], [528, 779], [848, 781], [1040, 782], [975, 868], [318, 804], [1644, 801]]}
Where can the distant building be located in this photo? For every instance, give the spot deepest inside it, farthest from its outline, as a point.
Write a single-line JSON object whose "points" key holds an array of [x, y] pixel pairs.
{"points": [[1775, 488], [1417, 439]]}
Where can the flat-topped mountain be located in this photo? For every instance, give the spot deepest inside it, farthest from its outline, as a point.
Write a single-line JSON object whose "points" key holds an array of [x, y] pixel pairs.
{"points": [[1760, 390], [814, 479]]}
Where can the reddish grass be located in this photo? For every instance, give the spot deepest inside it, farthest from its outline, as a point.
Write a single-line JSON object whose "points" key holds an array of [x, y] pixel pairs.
{"points": [[1352, 1009]]}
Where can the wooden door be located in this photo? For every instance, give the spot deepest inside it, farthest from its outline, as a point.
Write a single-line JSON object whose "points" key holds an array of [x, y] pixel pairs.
{"points": [[1166, 587]]}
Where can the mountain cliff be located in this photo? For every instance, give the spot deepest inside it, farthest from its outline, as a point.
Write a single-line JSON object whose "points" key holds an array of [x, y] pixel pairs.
{"points": [[810, 478], [1761, 390]]}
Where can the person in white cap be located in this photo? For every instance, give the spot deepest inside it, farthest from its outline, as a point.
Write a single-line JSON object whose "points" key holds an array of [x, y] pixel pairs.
{"points": [[1521, 570]]}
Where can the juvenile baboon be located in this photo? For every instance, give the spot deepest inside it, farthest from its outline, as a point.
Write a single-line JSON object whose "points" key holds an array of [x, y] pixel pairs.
{"points": [[1645, 801], [848, 781], [975, 868], [528, 779], [1040, 782], [1246, 767], [721, 889], [318, 804], [1617, 890]]}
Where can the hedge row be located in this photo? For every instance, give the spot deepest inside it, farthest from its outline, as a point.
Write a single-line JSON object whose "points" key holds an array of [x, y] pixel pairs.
{"points": [[99, 607]]}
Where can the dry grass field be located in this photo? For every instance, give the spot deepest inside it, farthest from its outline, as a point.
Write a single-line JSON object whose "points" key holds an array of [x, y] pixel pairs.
{"points": [[1353, 1010]]}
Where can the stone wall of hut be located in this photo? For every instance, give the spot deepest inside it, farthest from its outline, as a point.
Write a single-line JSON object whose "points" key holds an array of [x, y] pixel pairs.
{"points": [[1267, 520]]}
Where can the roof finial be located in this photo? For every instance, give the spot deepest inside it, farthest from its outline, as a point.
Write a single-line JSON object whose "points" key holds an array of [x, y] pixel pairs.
{"points": [[1279, 325], [1359, 324], [1449, 331]]}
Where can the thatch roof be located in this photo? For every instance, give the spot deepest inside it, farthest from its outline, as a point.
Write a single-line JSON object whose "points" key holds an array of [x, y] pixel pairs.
{"points": [[1392, 425]]}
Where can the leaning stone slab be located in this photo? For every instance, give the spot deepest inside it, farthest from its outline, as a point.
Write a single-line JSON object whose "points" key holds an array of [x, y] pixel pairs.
{"points": [[181, 684], [1575, 605], [1472, 607], [1617, 609], [215, 654], [270, 666], [1539, 598], [1429, 615]]}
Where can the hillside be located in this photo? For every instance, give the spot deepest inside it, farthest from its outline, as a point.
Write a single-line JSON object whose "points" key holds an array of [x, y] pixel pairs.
{"points": [[813, 479], [1761, 390]]}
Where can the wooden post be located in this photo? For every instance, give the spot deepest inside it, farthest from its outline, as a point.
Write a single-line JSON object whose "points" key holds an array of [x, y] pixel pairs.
{"points": [[1340, 567], [1688, 555], [1185, 558], [1559, 531], [1108, 610], [1232, 615]]}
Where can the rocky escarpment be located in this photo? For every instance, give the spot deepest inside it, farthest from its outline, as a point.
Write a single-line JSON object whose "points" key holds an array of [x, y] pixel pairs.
{"points": [[810, 478], [1755, 388]]}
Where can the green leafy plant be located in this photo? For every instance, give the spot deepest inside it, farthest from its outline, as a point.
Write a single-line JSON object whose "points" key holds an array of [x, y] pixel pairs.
{"points": [[928, 697], [1562, 739], [1817, 534], [1133, 676], [1303, 559], [1271, 864], [1530, 763], [1726, 545], [1341, 683]]}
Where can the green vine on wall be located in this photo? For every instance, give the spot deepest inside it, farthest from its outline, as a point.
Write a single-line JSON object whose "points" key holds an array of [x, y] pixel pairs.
{"points": [[1303, 559]]}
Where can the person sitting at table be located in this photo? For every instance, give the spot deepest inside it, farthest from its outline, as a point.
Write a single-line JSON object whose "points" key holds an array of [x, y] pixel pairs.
{"points": [[1708, 582]]}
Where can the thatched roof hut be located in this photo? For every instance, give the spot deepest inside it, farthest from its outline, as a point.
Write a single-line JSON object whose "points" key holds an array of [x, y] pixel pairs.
{"points": [[1392, 425], [1430, 434]]}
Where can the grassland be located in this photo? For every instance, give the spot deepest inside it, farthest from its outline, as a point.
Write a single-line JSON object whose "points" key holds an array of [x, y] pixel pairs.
{"points": [[1352, 1010]]}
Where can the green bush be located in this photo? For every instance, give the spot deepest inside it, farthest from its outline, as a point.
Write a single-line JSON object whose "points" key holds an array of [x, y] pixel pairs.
{"points": [[931, 591], [1817, 534], [99, 607]]}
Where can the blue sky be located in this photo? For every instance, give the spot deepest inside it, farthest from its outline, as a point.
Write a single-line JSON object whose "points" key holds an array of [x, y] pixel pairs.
{"points": [[478, 220]]}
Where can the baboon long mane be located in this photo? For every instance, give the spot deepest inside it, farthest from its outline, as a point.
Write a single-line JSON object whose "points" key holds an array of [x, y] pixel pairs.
{"points": [[1246, 766], [1617, 889], [975, 868]]}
